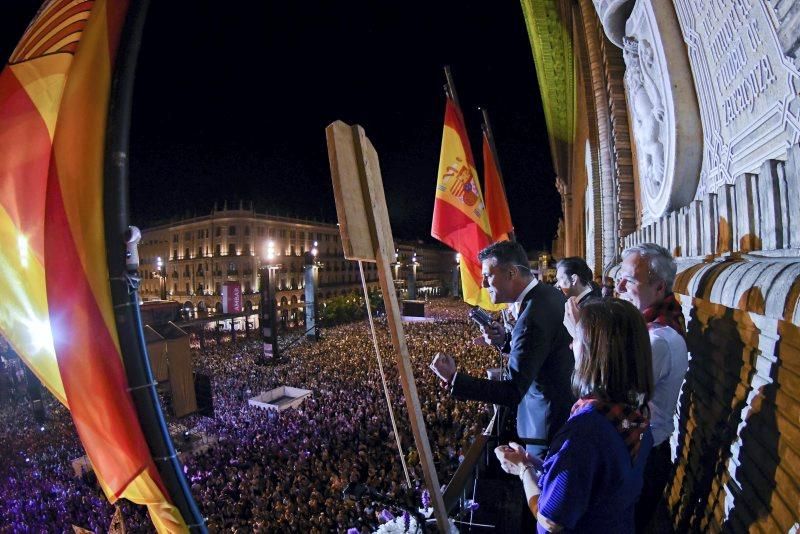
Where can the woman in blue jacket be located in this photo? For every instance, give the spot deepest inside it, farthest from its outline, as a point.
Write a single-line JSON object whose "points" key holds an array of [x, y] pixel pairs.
{"points": [[592, 475]]}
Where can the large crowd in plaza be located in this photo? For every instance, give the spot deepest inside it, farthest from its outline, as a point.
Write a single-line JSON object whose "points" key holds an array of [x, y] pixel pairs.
{"points": [[271, 471]]}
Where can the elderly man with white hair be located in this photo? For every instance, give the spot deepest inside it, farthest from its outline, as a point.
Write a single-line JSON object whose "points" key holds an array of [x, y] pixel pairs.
{"points": [[645, 279]]}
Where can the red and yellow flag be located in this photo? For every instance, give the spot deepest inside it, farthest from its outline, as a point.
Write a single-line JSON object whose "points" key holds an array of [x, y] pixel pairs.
{"points": [[459, 215], [496, 202], [55, 297]]}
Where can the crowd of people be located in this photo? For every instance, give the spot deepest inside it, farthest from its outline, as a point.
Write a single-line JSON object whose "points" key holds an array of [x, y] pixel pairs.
{"points": [[268, 470], [594, 379]]}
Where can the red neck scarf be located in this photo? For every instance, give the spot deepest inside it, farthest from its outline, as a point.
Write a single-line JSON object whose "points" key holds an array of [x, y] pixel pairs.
{"points": [[666, 313], [627, 420]]}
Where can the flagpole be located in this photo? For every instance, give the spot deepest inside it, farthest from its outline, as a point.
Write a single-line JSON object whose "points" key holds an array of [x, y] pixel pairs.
{"points": [[123, 280], [487, 129], [451, 86]]}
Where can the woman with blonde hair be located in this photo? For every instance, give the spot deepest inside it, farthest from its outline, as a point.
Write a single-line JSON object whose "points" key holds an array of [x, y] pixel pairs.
{"points": [[592, 475]]}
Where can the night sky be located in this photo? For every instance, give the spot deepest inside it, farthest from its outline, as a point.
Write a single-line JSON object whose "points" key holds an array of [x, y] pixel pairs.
{"points": [[232, 99]]}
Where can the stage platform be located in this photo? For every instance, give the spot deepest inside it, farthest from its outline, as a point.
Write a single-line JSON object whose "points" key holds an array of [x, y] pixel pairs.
{"points": [[280, 398], [412, 319]]}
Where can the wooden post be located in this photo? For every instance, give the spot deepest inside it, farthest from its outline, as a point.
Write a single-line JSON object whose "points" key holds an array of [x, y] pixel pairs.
{"points": [[367, 236]]}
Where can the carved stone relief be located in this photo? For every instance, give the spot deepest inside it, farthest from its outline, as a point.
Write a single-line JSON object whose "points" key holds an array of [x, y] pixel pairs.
{"points": [[647, 106], [663, 106], [747, 87], [613, 14]]}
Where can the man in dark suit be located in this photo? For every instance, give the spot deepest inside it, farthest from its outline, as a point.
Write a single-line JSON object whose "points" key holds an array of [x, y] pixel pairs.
{"points": [[574, 279], [540, 360]]}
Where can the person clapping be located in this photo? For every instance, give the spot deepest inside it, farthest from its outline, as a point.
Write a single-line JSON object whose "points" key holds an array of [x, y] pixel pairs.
{"points": [[592, 475]]}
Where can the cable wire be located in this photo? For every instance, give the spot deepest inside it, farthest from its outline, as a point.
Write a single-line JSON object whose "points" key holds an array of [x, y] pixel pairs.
{"points": [[383, 376]]}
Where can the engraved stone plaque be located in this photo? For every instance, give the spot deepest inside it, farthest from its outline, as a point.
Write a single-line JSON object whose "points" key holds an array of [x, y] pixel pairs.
{"points": [[665, 118], [746, 86]]}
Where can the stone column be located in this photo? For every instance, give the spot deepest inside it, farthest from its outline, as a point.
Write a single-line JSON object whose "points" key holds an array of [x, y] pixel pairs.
{"points": [[311, 276], [456, 281], [411, 281]]}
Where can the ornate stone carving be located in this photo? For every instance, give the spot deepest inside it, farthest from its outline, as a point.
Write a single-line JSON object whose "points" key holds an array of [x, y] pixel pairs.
{"points": [[647, 107], [663, 105], [552, 51], [787, 12], [747, 87], [613, 14]]}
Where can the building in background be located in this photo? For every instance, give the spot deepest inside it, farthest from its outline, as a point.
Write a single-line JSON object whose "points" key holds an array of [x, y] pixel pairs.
{"points": [[189, 261], [430, 264]]}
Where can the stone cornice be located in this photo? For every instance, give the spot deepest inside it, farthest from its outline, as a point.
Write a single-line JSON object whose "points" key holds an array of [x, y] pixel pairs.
{"points": [[549, 30], [763, 286]]}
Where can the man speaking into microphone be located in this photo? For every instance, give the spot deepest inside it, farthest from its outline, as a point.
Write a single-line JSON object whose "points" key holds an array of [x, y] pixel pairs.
{"points": [[540, 359]]}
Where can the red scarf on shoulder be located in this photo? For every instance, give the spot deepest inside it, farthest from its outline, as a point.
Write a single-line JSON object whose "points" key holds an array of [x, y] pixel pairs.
{"points": [[627, 420], [668, 312]]}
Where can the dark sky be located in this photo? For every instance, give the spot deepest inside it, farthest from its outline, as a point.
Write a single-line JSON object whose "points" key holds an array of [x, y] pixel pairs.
{"points": [[232, 99]]}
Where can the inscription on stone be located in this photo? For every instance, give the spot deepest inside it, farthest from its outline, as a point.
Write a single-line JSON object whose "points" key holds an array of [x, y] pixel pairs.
{"points": [[746, 87]]}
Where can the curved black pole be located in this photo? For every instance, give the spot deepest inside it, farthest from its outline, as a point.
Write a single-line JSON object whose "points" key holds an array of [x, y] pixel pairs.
{"points": [[124, 284]]}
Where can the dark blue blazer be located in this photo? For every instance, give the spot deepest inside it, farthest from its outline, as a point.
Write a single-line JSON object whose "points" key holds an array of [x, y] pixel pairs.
{"points": [[540, 365]]}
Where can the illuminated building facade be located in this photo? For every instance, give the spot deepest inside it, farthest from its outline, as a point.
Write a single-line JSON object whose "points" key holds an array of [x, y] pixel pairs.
{"points": [[199, 254], [189, 260]]}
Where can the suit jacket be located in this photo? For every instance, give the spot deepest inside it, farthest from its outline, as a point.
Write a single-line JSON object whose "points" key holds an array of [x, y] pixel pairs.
{"points": [[540, 365], [595, 293]]}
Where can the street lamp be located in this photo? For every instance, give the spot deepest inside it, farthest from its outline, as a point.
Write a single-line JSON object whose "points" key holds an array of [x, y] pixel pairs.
{"points": [[396, 265], [162, 281], [543, 258], [267, 311], [311, 280], [456, 282], [411, 282]]}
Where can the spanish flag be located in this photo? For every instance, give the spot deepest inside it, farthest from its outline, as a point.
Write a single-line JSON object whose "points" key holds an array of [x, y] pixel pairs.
{"points": [[496, 202], [459, 215], [55, 297]]}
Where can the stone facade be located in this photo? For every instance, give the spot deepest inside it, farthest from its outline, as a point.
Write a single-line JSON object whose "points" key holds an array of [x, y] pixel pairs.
{"points": [[665, 119], [746, 84], [199, 254], [725, 201]]}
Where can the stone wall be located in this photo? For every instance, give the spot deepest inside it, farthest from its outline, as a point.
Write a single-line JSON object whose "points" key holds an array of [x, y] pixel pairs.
{"points": [[737, 450], [737, 243], [758, 213]]}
